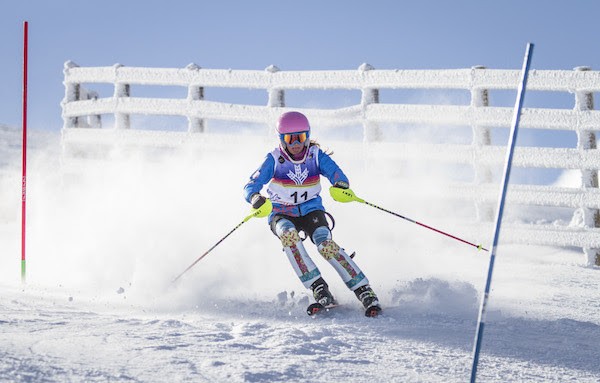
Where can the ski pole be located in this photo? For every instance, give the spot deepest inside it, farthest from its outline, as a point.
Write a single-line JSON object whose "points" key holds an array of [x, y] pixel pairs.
{"points": [[347, 195], [262, 211]]}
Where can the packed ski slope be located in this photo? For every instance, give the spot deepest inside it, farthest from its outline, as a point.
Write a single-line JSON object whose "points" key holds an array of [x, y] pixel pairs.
{"points": [[105, 238]]}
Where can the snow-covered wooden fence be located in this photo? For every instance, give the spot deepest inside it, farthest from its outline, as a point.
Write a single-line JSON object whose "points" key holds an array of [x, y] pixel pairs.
{"points": [[83, 109]]}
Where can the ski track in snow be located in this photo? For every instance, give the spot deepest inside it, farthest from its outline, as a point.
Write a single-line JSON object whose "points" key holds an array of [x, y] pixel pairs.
{"points": [[47, 338], [97, 308]]}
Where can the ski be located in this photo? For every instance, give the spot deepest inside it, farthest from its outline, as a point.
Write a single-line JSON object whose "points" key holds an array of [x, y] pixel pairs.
{"points": [[319, 309], [373, 311]]}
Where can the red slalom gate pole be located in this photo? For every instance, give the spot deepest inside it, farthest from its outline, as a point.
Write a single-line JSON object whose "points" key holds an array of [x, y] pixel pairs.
{"points": [[24, 150]]}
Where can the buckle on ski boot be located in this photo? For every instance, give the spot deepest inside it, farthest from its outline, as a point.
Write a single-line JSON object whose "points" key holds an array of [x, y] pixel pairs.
{"points": [[321, 293], [368, 298]]}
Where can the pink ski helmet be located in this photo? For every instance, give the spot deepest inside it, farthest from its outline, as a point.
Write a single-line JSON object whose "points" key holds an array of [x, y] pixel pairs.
{"points": [[293, 122]]}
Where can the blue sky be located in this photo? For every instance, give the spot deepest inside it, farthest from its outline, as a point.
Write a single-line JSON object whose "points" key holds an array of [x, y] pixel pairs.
{"points": [[307, 35]]}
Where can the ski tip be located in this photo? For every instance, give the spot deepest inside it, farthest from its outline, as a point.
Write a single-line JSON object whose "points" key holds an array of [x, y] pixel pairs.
{"points": [[314, 309], [317, 308], [373, 311]]}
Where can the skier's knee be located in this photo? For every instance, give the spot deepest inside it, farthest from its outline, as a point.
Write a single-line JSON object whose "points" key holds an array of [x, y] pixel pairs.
{"points": [[329, 249], [287, 233], [289, 237], [321, 234]]}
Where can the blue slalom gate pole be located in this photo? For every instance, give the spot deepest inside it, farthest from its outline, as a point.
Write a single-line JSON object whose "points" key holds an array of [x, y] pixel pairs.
{"points": [[507, 165]]}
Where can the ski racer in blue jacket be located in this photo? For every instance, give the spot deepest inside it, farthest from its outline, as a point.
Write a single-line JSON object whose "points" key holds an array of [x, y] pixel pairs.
{"points": [[293, 171]]}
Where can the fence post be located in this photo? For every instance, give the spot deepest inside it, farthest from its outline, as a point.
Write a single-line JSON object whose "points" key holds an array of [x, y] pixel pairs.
{"points": [[195, 93], [371, 131], [586, 140], [276, 96], [121, 90], [72, 93], [94, 120], [481, 137]]}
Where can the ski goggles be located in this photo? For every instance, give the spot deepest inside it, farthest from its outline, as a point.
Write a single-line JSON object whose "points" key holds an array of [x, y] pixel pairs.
{"points": [[290, 138]]}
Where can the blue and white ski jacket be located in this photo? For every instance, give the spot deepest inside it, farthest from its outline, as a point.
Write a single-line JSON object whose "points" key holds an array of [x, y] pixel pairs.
{"points": [[294, 188]]}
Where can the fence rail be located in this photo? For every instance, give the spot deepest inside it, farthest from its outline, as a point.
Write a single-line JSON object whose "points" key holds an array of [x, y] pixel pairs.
{"points": [[363, 78], [83, 108]]}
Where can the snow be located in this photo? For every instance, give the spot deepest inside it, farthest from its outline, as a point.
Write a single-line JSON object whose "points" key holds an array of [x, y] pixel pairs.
{"points": [[105, 238], [364, 77]]}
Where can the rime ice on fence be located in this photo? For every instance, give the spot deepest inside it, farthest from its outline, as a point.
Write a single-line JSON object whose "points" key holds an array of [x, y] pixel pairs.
{"points": [[82, 110], [195, 93], [76, 92], [122, 92], [276, 95], [586, 140], [481, 137], [369, 96]]}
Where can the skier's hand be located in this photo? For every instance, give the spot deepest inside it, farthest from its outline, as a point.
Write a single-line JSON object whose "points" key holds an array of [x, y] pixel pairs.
{"points": [[342, 195], [257, 200], [341, 185]]}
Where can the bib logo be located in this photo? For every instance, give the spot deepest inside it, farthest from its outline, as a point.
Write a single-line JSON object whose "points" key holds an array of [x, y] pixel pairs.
{"points": [[298, 176]]}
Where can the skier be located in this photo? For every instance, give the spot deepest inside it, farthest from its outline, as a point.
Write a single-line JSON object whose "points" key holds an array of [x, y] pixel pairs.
{"points": [[293, 172]]}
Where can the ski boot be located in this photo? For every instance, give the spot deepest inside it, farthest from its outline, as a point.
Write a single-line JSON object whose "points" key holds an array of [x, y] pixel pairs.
{"points": [[368, 298], [321, 293], [324, 299]]}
